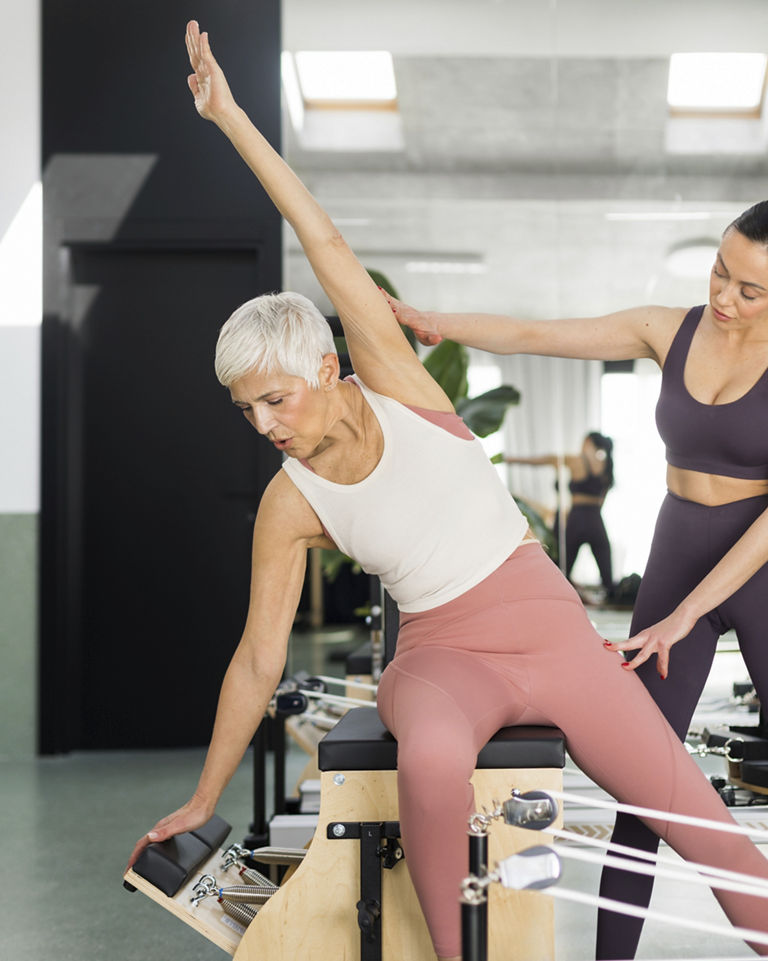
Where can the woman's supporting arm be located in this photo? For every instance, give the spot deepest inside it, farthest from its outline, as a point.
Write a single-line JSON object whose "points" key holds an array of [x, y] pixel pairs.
{"points": [[745, 558], [285, 527], [378, 348]]}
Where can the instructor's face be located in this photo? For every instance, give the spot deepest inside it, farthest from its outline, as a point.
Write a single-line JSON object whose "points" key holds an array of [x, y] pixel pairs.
{"points": [[738, 286]]}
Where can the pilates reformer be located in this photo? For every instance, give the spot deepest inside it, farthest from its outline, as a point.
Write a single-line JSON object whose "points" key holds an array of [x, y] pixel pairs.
{"points": [[744, 749], [351, 888], [307, 727], [538, 867]]}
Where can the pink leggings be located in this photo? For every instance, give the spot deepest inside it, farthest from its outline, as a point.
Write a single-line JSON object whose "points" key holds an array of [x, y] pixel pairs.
{"points": [[519, 649]]}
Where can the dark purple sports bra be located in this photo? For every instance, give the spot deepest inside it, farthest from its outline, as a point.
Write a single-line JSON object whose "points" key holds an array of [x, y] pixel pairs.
{"points": [[730, 440], [593, 485]]}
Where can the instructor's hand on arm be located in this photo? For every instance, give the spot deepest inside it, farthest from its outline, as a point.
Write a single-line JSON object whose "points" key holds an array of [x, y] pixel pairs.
{"points": [[423, 324]]}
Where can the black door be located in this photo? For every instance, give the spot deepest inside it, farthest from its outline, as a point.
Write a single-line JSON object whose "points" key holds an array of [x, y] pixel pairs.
{"points": [[165, 478]]}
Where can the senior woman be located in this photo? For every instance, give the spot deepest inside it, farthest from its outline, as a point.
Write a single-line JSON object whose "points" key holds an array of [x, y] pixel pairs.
{"points": [[492, 634], [708, 566]]}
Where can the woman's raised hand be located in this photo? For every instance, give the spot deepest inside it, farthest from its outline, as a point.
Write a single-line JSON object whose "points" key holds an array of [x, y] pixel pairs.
{"points": [[213, 98], [419, 322]]}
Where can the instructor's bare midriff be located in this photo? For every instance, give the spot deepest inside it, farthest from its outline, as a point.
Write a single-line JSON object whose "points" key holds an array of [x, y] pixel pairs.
{"points": [[712, 489]]}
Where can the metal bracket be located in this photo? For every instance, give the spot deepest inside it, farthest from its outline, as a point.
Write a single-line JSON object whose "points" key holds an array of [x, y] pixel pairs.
{"points": [[351, 830], [379, 847]]}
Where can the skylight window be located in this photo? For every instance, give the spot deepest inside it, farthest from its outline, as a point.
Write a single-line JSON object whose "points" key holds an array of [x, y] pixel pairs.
{"points": [[351, 78], [343, 101], [732, 83]]}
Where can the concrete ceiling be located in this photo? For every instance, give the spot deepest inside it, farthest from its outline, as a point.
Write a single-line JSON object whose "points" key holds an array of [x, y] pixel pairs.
{"points": [[536, 144]]}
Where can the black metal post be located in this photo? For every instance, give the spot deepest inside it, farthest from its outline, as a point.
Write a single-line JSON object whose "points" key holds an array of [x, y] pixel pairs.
{"points": [[369, 905], [473, 929], [259, 831], [478, 866], [278, 748]]}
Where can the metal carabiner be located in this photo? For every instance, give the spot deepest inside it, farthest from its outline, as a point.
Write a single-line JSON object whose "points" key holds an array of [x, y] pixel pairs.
{"points": [[205, 887]]}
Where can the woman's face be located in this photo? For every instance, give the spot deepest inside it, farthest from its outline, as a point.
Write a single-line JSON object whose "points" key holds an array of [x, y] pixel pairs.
{"points": [[284, 408], [738, 285], [594, 454]]}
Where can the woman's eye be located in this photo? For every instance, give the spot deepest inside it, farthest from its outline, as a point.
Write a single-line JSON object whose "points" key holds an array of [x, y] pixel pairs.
{"points": [[274, 403], [747, 297]]}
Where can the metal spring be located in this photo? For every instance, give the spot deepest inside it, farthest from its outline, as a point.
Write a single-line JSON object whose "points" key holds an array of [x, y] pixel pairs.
{"points": [[252, 876], [241, 913], [247, 893], [276, 855]]}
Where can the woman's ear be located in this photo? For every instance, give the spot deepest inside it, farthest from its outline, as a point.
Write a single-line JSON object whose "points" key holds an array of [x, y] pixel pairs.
{"points": [[329, 372]]}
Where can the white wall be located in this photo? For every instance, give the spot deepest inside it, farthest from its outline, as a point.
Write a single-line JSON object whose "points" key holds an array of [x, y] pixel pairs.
{"points": [[20, 420], [19, 386], [19, 341]]}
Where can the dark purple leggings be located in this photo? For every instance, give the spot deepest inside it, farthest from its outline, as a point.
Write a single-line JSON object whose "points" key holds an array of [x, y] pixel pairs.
{"points": [[688, 542], [585, 526]]}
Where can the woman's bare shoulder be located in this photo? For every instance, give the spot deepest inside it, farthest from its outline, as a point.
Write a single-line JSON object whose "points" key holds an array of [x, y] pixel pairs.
{"points": [[662, 325], [285, 513]]}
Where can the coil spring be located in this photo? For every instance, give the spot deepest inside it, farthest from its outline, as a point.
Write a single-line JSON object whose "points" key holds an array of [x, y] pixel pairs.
{"points": [[241, 913], [252, 876], [247, 893]]}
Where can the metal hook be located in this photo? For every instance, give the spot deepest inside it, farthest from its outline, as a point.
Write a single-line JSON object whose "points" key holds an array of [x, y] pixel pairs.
{"points": [[205, 887], [234, 854]]}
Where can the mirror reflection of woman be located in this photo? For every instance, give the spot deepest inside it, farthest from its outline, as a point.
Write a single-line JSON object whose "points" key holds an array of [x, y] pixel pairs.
{"points": [[708, 566], [591, 477]]}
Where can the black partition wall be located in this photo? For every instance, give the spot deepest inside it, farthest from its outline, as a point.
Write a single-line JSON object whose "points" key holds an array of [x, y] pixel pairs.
{"points": [[154, 233]]}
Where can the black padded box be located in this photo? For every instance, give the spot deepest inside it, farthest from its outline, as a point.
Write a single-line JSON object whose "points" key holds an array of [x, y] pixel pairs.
{"points": [[360, 742], [360, 661], [168, 865]]}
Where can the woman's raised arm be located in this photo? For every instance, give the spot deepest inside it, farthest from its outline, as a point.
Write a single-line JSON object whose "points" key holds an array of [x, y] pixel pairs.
{"points": [[378, 348]]}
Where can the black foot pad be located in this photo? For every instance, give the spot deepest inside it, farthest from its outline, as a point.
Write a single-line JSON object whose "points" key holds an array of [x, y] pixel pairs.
{"points": [[168, 865], [755, 772]]}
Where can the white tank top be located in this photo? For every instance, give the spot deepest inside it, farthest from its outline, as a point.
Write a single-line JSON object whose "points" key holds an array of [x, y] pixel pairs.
{"points": [[432, 519]]}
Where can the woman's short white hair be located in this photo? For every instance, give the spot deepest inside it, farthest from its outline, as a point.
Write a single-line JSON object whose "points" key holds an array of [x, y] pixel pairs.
{"points": [[275, 331]]}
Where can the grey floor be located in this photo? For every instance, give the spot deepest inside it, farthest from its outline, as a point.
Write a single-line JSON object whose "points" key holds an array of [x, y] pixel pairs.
{"points": [[69, 823]]}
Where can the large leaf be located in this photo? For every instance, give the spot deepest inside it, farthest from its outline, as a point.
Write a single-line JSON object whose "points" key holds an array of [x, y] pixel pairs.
{"points": [[484, 414], [381, 280], [537, 525], [448, 364], [332, 560]]}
